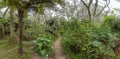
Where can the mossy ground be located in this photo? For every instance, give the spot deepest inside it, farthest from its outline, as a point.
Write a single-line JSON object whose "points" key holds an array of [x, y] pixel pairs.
{"points": [[9, 49]]}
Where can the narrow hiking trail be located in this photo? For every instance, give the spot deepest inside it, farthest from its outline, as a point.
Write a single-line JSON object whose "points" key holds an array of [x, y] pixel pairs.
{"points": [[36, 56], [58, 52]]}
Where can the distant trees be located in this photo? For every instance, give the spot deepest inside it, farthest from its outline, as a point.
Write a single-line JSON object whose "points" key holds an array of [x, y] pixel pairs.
{"points": [[91, 10], [95, 13], [26, 5], [88, 9]]}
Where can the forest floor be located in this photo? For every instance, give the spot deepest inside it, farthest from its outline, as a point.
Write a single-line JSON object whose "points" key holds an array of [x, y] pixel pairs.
{"points": [[58, 52], [9, 50]]}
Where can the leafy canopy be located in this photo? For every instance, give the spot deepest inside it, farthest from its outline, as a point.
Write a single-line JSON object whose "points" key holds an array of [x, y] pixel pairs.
{"points": [[36, 5]]}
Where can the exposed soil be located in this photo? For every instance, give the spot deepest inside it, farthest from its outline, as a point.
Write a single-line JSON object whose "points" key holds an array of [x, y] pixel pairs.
{"points": [[36, 56], [58, 51]]}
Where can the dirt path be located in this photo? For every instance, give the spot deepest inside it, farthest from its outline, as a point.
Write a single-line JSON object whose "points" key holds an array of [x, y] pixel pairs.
{"points": [[36, 56], [58, 51]]}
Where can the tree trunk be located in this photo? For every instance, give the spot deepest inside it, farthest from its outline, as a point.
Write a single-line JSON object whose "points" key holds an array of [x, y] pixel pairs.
{"points": [[3, 30], [88, 9], [20, 16], [2, 25], [101, 56], [5, 12], [11, 23], [90, 16]]}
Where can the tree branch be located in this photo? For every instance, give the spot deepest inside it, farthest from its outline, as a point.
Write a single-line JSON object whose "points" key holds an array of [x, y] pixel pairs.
{"points": [[5, 12], [107, 4], [90, 3], [84, 3], [96, 5]]}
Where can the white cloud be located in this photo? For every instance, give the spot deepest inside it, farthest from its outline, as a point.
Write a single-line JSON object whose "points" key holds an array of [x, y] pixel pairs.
{"points": [[114, 4]]}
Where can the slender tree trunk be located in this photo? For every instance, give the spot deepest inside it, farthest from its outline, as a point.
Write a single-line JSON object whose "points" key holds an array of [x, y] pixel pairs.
{"points": [[101, 56], [95, 9], [88, 9], [11, 23], [3, 30], [90, 16], [20, 16], [3, 27], [5, 12]]}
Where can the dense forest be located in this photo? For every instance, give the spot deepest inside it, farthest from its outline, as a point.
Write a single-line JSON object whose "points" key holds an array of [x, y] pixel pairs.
{"points": [[59, 29]]}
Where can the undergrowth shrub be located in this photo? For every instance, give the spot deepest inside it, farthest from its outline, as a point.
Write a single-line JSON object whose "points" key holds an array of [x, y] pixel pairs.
{"points": [[83, 42], [33, 29], [32, 33], [52, 26], [109, 20], [43, 45], [114, 23], [116, 28], [9, 49], [103, 42], [5, 23]]}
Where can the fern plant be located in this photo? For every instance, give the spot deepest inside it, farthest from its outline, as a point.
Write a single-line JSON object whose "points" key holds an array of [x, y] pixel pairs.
{"points": [[83, 42], [43, 45]]}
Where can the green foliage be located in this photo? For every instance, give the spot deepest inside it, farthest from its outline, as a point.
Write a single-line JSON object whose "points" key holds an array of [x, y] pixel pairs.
{"points": [[36, 5], [116, 26], [4, 22], [103, 41], [52, 26], [9, 50], [113, 22], [81, 41], [43, 45], [109, 21], [32, 30], [2, 4]]}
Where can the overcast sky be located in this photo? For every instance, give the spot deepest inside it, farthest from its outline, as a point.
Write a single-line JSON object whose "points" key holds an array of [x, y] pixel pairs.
{"points": [[113, 4]]}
